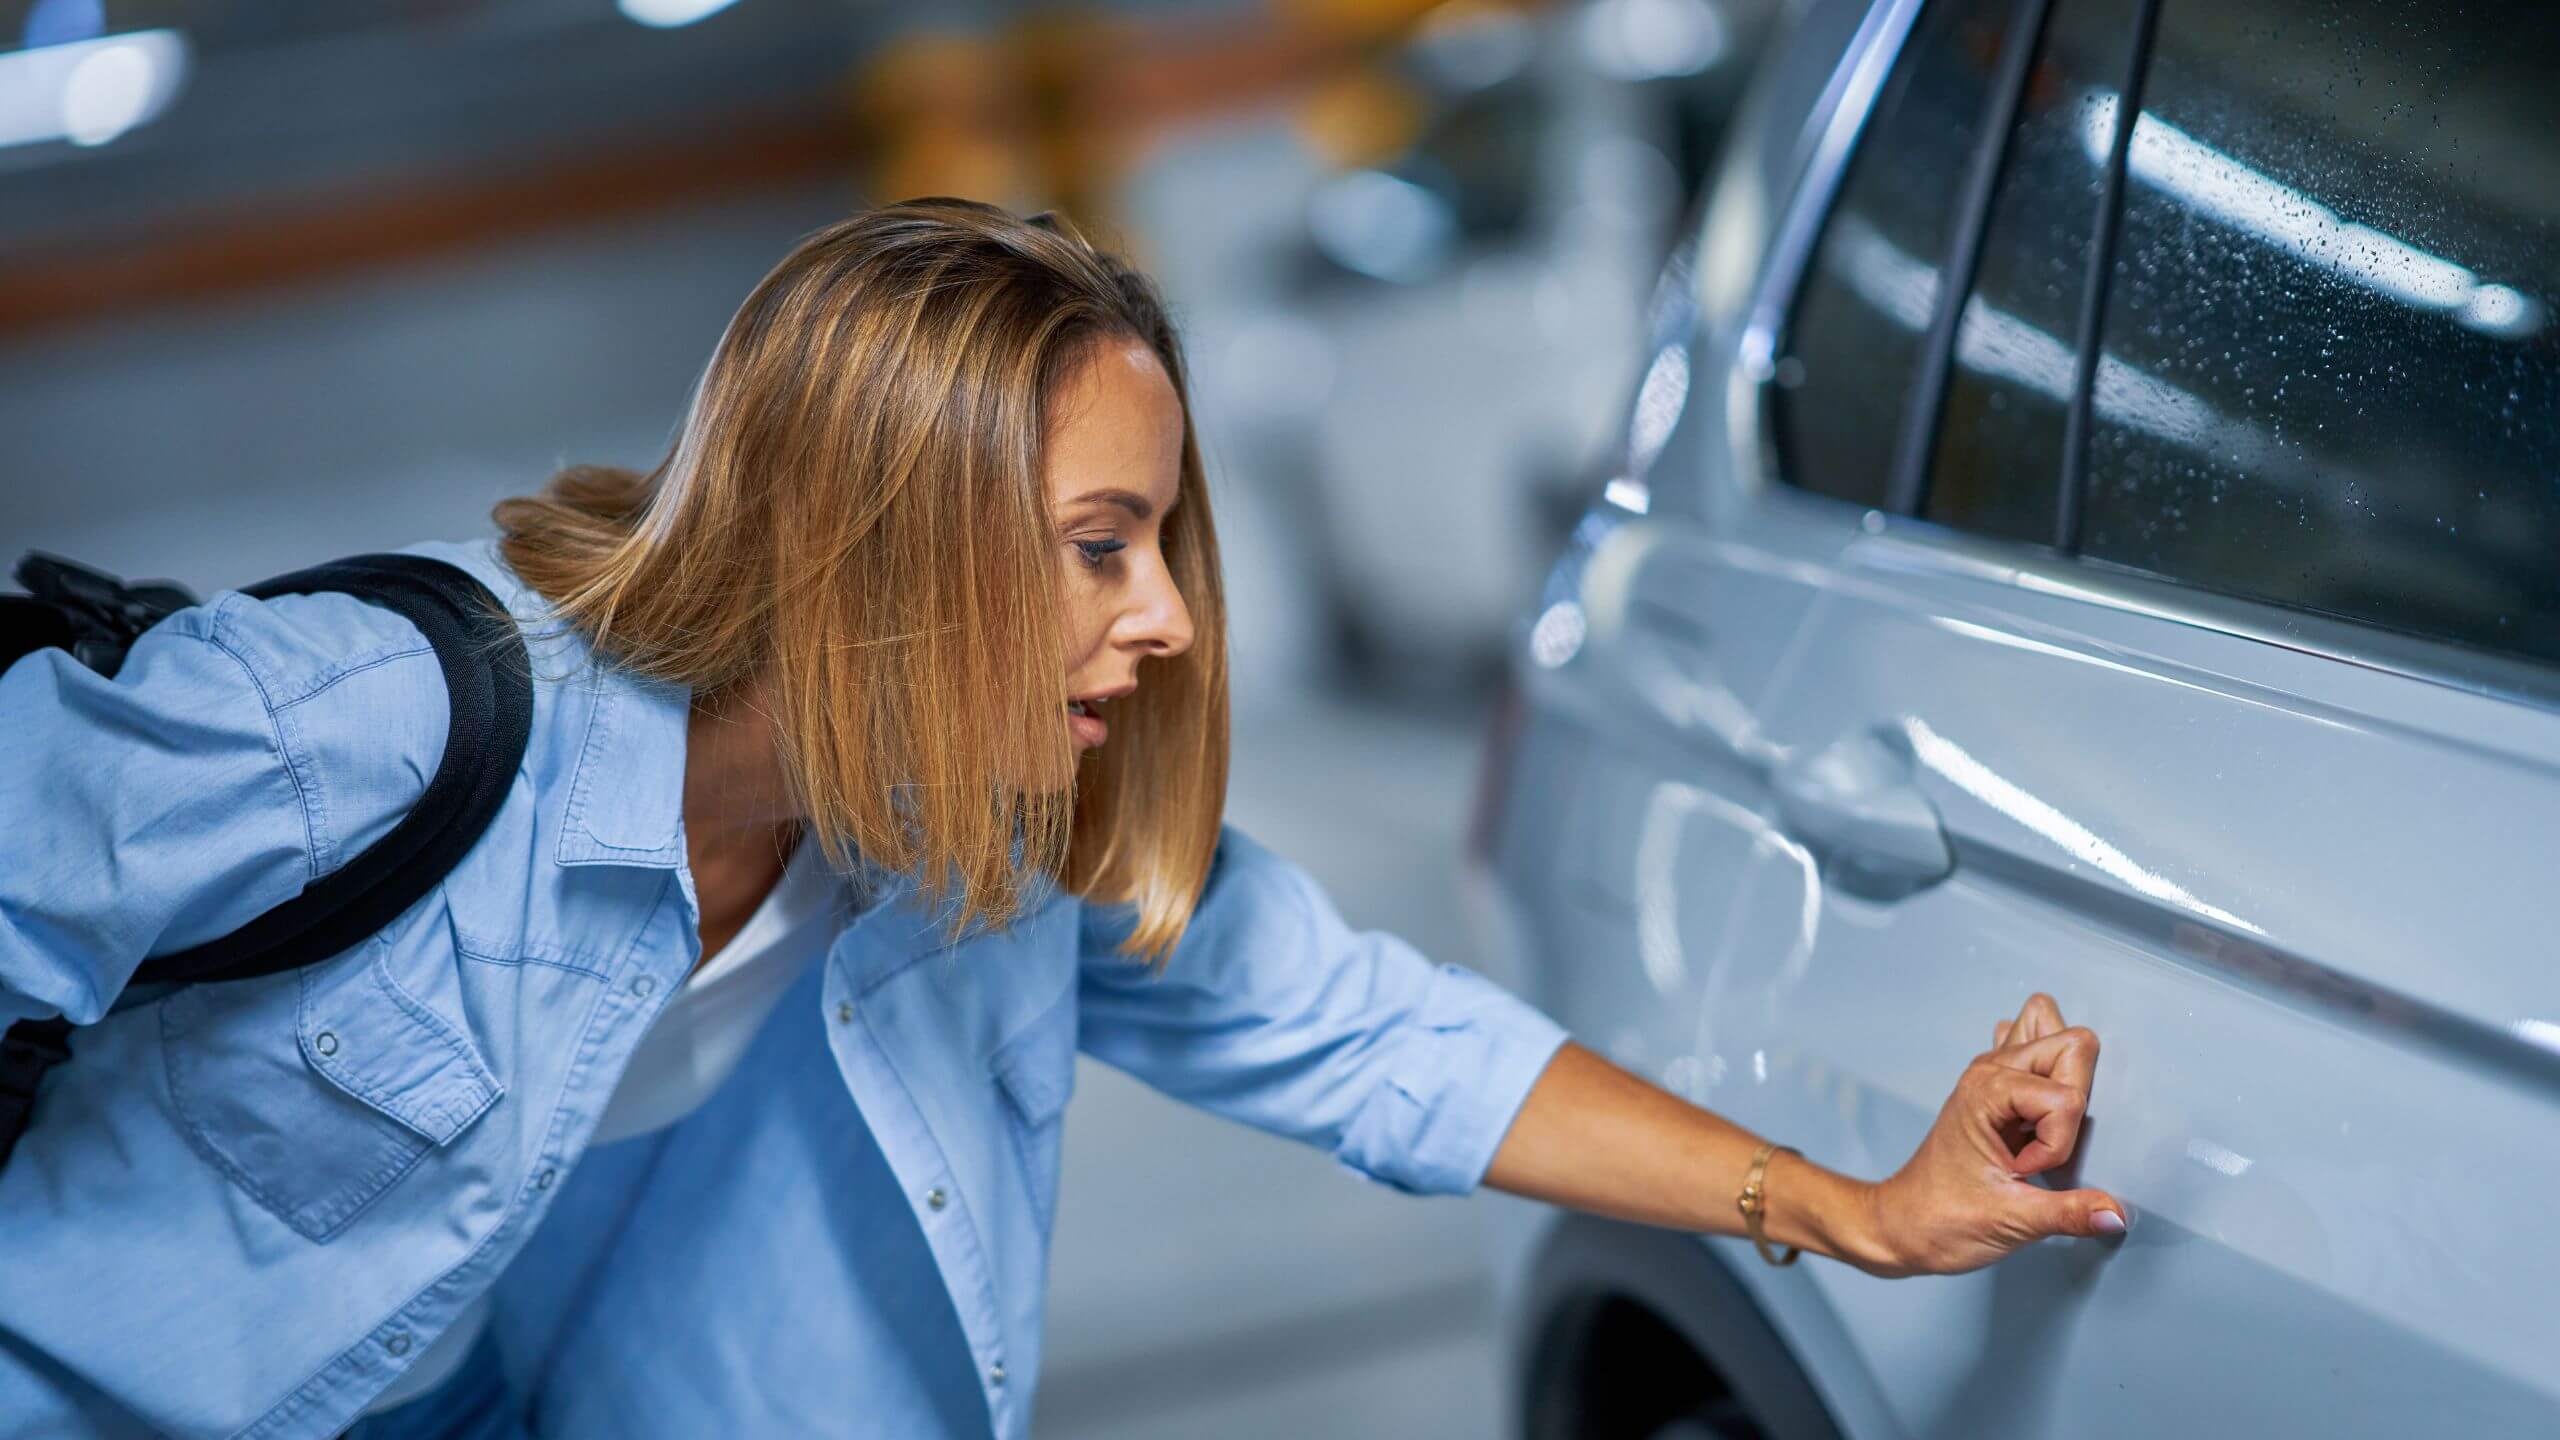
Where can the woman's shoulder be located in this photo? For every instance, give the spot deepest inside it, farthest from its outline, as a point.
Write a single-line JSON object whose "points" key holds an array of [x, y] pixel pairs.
{"points": [[357, 700], [1249, 891], [300, 647], [357, 692]]}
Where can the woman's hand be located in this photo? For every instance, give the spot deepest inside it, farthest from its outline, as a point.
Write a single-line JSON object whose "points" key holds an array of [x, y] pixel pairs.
{"points": [[1965, 1199], [1593, 1137]]}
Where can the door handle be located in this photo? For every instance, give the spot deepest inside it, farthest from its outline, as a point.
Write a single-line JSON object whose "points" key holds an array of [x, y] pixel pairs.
{"points": [[1858, 806]]}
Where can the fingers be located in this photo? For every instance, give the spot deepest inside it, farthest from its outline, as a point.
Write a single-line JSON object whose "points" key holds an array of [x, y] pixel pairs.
{"points": [[2089, 1214], [2048, 1108], [2037, 1018], [2068, 1055]]}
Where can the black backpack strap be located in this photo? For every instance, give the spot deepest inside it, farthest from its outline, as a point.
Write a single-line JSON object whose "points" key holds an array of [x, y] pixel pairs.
{"points": [[27, 1051], [488, 681]]}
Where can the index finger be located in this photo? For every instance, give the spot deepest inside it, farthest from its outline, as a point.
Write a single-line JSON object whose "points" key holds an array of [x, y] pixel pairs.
{"points": [[2068, 1056], [2037, 1018], [2050, 1108]]}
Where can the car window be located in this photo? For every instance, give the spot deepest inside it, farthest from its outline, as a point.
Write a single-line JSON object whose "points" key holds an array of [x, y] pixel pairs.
{"points": [[1996, 466], [2330, 368], [1844, 371]]}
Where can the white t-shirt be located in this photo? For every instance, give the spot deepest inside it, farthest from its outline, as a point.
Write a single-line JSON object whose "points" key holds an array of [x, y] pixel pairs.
{"points": [[693, 1045], [701, 1035]]}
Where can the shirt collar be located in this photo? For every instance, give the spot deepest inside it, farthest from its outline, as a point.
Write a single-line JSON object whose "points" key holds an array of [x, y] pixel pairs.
{"points": [[626, 800]]}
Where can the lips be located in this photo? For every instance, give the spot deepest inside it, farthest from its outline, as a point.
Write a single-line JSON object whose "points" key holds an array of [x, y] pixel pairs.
{"points": [[1084, 721]]}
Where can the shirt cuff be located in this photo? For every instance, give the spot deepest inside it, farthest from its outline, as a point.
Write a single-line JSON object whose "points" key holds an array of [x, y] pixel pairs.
{"points": [[1454, 1081]]}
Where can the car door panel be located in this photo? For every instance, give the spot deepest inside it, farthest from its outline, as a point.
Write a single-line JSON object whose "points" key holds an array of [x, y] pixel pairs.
{"points": [[2293, 869], [2306, 922], [1678, 649]]}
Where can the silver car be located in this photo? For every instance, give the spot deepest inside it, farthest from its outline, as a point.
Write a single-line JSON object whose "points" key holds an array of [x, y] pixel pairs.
{"points": [[2120, 560]]}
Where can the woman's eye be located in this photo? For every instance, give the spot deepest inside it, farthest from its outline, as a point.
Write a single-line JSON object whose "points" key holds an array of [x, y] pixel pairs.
{"points": [[1097, 551]]}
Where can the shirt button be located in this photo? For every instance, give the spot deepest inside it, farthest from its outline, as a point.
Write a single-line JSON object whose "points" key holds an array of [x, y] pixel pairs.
{"points": [[934, 1199], [326, 1042], [644, 986], [397, 1342], [844, 1012], [995, 1373], [543, 1180]]}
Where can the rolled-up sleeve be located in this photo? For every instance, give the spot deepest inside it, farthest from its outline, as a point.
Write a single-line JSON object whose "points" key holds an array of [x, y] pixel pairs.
{"points": [[143, 814], [1275, 1012]]}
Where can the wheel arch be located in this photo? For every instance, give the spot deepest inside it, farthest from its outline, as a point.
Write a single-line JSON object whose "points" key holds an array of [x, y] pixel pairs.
{"points": [[1578, 1345]]}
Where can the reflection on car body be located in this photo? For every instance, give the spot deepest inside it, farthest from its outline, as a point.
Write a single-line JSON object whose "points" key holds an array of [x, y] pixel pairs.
{"points": [[2107, 558]]}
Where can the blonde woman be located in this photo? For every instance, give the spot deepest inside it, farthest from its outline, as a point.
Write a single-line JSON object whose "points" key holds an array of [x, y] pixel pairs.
{"points": [[878, 745]]}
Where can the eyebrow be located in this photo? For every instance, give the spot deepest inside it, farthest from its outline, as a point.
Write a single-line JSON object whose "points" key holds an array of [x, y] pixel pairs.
{"points": [[1138, 506]]}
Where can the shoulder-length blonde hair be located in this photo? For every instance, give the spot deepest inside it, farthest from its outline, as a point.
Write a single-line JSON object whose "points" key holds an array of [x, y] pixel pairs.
{"points": [[853, 518]]}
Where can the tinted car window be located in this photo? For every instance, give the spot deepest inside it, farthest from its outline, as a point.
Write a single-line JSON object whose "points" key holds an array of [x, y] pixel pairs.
{"points": [[1845, 371], [2331, 370], [1997, 464]]}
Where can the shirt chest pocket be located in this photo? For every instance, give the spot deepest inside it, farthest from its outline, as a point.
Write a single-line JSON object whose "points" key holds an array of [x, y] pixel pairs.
{"points": [[1036, 1072], [317, 1089]]}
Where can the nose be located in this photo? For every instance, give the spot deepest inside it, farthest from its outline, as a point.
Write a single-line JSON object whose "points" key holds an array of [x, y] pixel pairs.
{"points": [[1157, 622]]}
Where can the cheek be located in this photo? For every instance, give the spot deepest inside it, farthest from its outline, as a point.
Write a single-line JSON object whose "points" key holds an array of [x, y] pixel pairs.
{"points": [[1083, 620]]}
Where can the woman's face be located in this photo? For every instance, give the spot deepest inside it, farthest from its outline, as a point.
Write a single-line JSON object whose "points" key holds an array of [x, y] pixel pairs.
{"points": [[1113, 470]]}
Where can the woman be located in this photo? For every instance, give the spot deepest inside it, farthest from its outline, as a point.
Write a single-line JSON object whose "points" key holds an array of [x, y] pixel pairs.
{"points": [[878, 747]]}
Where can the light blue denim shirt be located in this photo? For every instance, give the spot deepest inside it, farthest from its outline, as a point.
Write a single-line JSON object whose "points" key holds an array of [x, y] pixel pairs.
{"points": [[244, 1209]]}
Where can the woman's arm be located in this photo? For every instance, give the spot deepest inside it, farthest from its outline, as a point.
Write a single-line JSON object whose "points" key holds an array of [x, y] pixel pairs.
{"points": [[147, 812], [206, 783], [1275, 1012], [1593, 1137]]}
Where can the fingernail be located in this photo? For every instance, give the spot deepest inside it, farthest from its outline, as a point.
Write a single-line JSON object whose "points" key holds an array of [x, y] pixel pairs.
{"points": [[2108, 1222]]}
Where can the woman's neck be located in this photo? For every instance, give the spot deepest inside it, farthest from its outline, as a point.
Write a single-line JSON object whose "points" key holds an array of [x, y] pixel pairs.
{"points": [[740, 822]]}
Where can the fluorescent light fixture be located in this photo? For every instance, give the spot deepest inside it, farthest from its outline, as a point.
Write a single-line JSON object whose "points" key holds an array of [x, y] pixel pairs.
{"points": [[2212, 183], [90, 91], [668, 14]]}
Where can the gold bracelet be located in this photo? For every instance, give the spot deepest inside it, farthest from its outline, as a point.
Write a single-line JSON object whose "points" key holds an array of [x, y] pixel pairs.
{"points": [[1754, 1202]]}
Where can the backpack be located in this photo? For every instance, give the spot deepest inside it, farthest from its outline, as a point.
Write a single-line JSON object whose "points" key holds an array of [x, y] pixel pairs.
{"points": [[487, 679]]}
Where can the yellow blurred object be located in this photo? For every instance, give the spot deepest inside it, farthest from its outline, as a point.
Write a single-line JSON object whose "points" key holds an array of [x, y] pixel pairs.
{"points": [[1062, 57], [1375, 22], [1365, 111], [941, 114], [1011, 116], [1358, 20], [1049, 109], [971, 167], [1362, 116]]}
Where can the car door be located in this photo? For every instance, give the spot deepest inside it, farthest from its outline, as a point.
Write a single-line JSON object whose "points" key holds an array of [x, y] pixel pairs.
{"points": [[2182, 548]]}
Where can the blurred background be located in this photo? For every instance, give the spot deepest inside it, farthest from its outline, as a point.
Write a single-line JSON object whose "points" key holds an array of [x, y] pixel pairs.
{"points": [[282, 280]]}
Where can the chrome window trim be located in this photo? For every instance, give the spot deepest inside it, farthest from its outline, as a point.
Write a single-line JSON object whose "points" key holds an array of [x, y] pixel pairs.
{"points": [[1830, 138], [1823, 151]]}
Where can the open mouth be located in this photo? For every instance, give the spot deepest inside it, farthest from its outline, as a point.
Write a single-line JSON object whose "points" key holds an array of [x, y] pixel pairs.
{"points": [[1085, 722]]}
